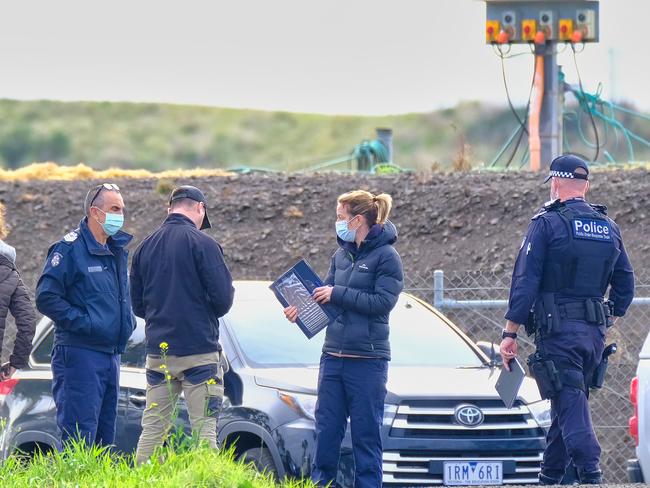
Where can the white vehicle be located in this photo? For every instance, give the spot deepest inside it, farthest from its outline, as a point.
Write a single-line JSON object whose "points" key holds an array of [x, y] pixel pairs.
{"points": [[638, 470]]}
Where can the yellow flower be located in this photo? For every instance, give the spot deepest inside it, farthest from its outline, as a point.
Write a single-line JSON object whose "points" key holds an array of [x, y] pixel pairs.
{"points": [[163, 366], [168, 376], [164, 346], [211, 381]]}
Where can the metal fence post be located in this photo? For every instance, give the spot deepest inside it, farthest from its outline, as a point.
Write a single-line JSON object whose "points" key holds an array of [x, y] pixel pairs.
{"points": [[438, 288]]}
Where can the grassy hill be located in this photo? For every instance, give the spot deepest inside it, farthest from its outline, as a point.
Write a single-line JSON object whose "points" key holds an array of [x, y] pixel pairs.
{"points": [[162, 136]]}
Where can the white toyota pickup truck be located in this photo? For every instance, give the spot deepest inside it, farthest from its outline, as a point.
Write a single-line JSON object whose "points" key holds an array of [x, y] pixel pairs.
{"points": [[638, 470]]}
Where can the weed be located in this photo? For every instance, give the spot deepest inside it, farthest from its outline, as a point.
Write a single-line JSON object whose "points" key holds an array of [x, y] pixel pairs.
{"points": [[164, 187]]}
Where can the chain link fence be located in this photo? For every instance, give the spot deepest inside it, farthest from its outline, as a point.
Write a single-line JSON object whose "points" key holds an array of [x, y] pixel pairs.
{"points": [[476, 302]]}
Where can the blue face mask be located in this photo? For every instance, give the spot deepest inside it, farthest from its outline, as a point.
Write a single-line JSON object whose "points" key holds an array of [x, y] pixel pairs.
{"points": [[113, 223], [344, 232]]}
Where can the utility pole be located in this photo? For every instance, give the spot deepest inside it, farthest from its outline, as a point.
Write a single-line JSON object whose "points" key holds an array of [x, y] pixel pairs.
{"points": [[550, 123]]}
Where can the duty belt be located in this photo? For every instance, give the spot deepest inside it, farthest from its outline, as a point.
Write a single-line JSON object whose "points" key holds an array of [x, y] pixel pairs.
{"points": [[591, 310]]}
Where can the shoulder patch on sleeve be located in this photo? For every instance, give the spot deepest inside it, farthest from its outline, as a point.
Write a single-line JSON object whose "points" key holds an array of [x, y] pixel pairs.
{"points": [[56, 258]]}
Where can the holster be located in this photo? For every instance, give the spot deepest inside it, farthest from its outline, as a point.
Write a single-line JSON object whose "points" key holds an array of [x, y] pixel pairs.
{"points": [[546, 375], [546, 314], [598, 378], [550, 378], [608, 307], [596, 312]]}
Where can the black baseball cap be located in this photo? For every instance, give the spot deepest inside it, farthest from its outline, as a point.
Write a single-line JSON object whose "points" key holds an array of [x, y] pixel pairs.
{"points": [[193, 193], [565, 166]]}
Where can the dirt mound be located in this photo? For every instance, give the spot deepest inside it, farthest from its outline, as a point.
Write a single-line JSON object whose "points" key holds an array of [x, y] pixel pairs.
{"points": [[265, 222]]}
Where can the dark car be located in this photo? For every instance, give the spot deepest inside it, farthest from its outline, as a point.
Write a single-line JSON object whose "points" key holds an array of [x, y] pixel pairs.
{"points": [[443, 422]]}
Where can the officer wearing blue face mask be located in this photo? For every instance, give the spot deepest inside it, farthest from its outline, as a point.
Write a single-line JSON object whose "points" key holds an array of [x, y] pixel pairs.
{"points": [[364, 282], [571, 255], [84, 290]]}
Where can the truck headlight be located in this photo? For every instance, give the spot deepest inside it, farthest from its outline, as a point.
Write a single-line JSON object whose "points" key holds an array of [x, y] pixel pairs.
{"points": [[305, 406], [301, 403], [541, 412]]}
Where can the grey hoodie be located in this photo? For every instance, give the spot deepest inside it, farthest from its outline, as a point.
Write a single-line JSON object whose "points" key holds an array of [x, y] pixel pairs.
{"points": [[8, 251]]}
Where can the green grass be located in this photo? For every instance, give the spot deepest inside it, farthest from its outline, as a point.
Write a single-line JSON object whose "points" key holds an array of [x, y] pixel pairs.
{"points": [[159, 137], [78, 466], [163, 136]]}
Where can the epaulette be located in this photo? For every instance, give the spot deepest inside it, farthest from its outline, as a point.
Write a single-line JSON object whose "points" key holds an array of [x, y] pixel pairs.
{"points": [[549, 206], [599, 208], [70, 237]]}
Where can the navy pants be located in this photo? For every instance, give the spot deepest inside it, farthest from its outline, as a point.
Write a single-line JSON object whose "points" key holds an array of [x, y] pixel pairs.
{"points": [[571, 437], [354, 388], [85, 386]]}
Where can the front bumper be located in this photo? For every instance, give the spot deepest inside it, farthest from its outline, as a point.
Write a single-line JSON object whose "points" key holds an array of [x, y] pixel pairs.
{"points": [[634, 473], [408, 464], [425, 433]]}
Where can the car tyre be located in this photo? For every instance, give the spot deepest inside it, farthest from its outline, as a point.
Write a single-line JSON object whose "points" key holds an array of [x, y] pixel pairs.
{"points": [[261, 458]]}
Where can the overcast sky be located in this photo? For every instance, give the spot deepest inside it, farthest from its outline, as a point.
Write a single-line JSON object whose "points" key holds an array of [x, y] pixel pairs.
{"points": [[334, 56]]}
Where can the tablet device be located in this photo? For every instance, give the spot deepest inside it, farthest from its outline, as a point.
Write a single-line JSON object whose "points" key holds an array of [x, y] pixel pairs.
{"points": [[509, 382]]}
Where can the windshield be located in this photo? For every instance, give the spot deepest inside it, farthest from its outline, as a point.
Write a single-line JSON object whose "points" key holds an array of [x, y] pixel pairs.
{"points": [[417, 336]]}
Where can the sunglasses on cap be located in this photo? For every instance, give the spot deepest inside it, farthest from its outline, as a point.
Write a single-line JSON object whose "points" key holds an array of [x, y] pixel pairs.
{"points": [[103, 186]]}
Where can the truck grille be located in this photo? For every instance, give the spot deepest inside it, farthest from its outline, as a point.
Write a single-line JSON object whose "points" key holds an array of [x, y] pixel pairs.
{"points": [[436, 420]]}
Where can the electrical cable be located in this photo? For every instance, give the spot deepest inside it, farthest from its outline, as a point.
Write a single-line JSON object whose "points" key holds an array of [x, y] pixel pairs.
{"points": [[517, 145], [584, 100], [524, 156], [582, 47], [497, 50], [522, 125], [505, 85]]}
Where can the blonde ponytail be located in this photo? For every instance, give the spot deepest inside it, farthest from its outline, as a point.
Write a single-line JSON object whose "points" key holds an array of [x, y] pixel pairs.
{"points": [[374, 208], [384, 204]]}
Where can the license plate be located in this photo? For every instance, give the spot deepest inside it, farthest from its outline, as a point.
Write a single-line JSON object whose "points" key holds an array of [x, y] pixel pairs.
{"points": [[473, 473]]}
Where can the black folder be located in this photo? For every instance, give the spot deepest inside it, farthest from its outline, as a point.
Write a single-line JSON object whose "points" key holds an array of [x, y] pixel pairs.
{"points": [[509, 382]]}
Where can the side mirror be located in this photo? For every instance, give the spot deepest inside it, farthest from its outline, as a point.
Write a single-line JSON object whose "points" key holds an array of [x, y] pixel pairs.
{"points": [[491, 350]]}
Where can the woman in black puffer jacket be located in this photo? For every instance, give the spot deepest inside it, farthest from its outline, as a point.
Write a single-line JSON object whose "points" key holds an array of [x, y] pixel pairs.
{"points": [[14, 298], [364, 282]]}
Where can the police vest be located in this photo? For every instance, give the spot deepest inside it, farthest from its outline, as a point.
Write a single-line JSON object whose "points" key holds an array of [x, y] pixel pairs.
{"points": [[583, 266]]}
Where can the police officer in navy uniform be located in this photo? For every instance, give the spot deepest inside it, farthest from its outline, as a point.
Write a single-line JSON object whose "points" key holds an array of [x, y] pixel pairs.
{"points": [[571, 254], [84, 290]]}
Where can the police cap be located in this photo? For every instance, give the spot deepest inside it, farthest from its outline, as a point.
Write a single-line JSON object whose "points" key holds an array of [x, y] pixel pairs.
{"points": [[565, 166]]}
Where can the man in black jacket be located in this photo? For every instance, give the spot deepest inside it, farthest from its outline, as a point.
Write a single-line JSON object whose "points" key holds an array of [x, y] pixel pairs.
{"points": [[181, 286]]}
